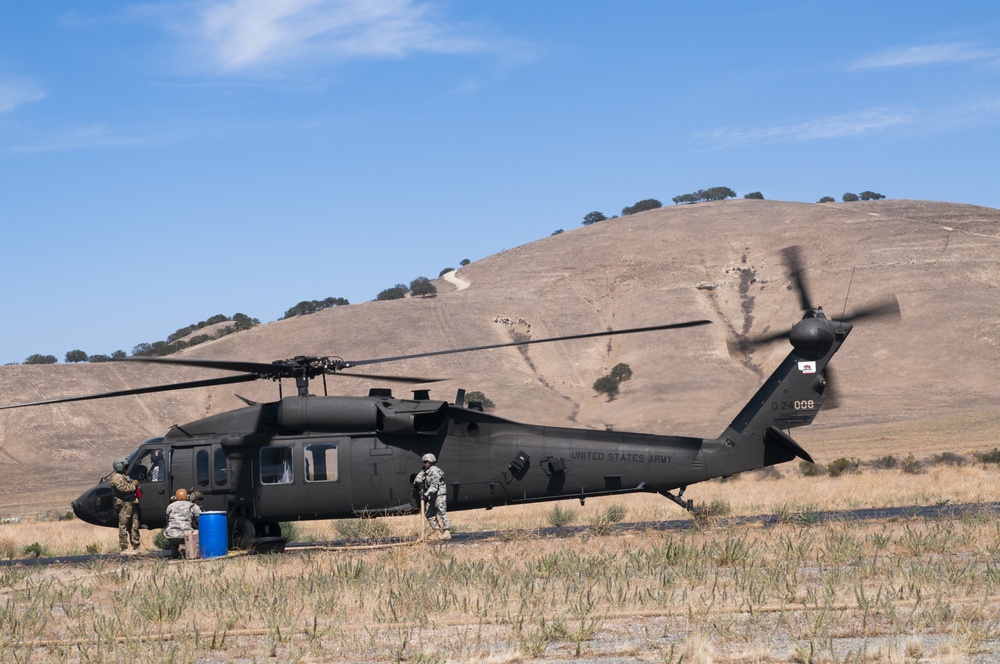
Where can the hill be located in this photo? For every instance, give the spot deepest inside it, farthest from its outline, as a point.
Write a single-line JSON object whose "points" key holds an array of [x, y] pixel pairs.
{"points": [[922, 385]]}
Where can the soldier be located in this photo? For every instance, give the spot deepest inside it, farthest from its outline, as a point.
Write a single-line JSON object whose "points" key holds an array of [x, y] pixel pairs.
{"points": [[182, 515], [435, 498], [126, 503]]}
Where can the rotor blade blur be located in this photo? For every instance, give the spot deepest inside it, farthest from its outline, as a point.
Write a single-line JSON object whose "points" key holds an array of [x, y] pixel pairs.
{"points": [[830, 391], [589, 335], [243, 378], [793, 262], [886, 309]]}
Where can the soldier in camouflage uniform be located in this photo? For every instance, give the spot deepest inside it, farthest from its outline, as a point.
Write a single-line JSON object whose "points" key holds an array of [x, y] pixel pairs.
{"points": [[127, 505], [435, 495], [182, 515]]}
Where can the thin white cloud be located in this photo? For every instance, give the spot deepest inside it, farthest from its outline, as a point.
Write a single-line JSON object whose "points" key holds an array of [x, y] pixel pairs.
{"points": [[77, 137], [15, 93], [828, 127], [247, 35], [929, 54]]}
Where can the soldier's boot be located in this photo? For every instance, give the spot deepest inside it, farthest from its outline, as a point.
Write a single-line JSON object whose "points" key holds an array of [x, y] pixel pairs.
{"points": [[446, 533]]}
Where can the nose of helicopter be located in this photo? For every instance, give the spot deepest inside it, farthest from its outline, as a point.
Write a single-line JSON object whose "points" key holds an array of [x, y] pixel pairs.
{"points": [[96, 506]]}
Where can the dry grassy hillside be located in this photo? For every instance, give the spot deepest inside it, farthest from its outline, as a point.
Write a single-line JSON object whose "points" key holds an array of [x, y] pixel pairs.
{"points": [[923, 385]]}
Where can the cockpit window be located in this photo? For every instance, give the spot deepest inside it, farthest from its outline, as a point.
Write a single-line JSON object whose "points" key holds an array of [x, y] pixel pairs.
{"points": [[276, 465], [149, 466]]}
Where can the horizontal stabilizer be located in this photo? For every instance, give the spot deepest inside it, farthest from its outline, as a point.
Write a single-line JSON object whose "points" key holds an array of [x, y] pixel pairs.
{"points": [[776, 435]]}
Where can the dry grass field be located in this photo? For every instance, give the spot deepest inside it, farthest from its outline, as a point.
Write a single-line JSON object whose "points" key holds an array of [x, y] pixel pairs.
{"points": [[798, 591]]}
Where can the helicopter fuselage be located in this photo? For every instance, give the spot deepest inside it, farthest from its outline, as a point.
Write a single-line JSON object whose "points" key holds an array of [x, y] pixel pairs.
{"points": [[309, 457]]}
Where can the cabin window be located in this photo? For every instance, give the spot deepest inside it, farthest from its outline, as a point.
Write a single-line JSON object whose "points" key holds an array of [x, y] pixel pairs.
{"points": [[220, 468], [276, 465], [201, 468], [321, 462]]}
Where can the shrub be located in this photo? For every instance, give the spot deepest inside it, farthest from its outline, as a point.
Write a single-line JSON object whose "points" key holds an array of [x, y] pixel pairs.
{"points": [[290, 531], [990, 457], [754, 195], [594, 217], [160, 541], [948, 459], [36, 550], [611, 515], [827, 199], [912, 466], [560, 517], [558, 231], [811, 469], [768, 473], [838, 467], [717, 507], [887, 462], [446, 271], [363, 529], [849, 197]]}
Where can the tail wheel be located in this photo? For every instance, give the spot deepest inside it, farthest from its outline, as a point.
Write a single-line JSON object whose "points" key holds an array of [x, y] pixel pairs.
{"points": [[242, 533]]}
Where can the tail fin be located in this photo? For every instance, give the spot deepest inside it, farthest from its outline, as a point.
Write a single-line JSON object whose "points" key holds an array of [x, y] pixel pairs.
{"points": [[791, 397]]}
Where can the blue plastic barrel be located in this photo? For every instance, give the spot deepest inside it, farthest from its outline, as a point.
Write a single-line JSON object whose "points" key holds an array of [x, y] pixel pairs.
{"points": [[213, 534]]}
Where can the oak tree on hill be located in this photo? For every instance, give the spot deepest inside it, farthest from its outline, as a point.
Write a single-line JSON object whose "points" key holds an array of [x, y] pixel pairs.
{"points": [[422, 287], [397, 292], [76, 356], [642, 206]]}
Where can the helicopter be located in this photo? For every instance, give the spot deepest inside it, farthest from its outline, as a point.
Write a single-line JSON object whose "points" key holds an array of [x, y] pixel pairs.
{"points": [[307, 457]]}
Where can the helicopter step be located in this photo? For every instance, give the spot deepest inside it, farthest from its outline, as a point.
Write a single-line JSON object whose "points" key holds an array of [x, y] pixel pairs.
{"points": [[679, 499]]}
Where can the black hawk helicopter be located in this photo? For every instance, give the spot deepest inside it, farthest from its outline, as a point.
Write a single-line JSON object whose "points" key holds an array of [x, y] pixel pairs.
{"points": [[328, 457]]}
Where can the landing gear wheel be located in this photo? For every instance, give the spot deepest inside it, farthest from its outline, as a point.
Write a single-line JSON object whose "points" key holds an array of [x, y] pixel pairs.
{"points": [[242, 533]]}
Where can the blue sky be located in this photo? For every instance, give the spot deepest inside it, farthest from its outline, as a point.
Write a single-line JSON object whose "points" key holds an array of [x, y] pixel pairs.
{"points": [[163, 162]]}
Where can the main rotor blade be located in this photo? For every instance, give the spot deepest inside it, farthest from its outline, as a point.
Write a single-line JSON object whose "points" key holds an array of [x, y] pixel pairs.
{"points": [[226, 380], [283, 369], [793, 262], [589, 335], [260, 369]]}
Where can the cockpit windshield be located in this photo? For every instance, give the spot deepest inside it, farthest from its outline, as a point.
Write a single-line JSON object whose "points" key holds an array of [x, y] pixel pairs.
{"points": [[148, 462]]}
